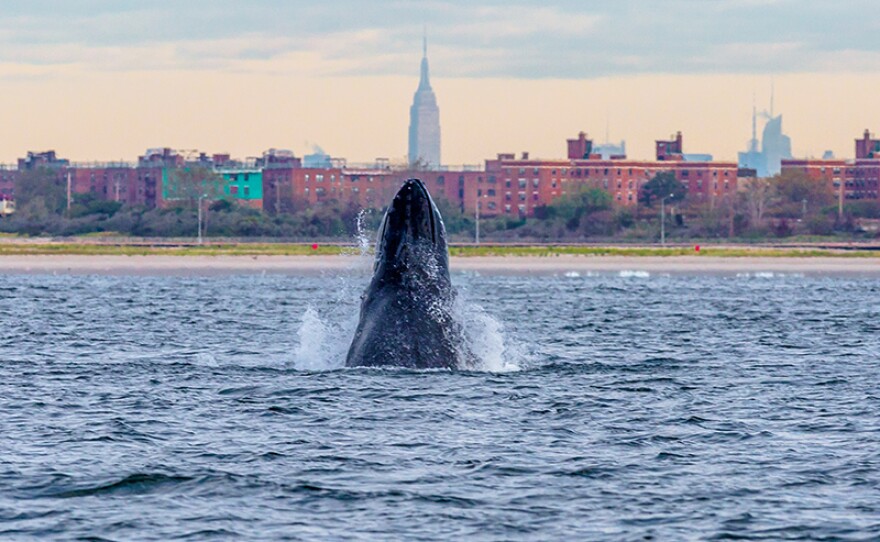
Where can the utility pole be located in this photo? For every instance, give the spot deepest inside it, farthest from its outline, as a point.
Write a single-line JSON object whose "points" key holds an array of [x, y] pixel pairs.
{"points": [[663, 220], [477, 219], [200, 219], [68, 194]]}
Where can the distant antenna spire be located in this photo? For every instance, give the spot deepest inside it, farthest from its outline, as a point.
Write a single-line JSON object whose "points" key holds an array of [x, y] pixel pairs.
{"points": [[754, 143], [424, 81], [772, 92]]}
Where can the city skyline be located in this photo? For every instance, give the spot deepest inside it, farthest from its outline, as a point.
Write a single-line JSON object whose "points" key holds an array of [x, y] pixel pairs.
{"points": [[117, 77]]}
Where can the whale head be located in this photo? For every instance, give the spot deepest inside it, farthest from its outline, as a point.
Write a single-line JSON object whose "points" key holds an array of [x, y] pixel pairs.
{"points": [[412, 238]]}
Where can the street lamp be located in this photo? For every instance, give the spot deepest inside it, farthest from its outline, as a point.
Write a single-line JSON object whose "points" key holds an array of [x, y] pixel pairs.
{"points": [[477, 217], [663, 218], [203, 196]]}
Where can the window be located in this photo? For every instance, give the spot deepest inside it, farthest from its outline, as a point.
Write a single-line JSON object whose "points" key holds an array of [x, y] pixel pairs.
{"points": [[522, 209], [535, 171], [441, 180], [535, 183], [522, 183], [319, 178], [491, 205], [490, 192], [507, 208], [247, 191], [522, 196], [319, 191], [522, 171], [507, 196]]}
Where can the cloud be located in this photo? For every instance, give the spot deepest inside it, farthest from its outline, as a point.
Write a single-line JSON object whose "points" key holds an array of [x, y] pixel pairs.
{"points": [[567, 39]]}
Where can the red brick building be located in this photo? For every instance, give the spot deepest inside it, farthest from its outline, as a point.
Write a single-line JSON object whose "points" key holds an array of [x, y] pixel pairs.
{"points": [[860, 177], [837, 174], [518, 186], [866, 170]]}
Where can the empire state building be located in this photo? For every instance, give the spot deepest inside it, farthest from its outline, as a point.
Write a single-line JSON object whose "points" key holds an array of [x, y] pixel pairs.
{"points": [[424, 121]]}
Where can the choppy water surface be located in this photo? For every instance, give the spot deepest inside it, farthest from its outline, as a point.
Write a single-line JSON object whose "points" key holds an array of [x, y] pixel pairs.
{"points": [[615, 407]]}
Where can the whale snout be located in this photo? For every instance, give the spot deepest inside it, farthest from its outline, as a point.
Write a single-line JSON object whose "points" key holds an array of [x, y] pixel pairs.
{"points": [[413, 215]]}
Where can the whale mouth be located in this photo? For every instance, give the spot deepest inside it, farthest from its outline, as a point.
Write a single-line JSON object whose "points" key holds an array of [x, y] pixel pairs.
{"points": [[411, 225], [412, 215]]}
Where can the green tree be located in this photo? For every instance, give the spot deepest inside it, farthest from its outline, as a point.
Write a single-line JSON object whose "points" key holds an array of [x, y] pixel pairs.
{"points": [[46, 184], [663, 185], [797, 191], [571, 207], [188, 184]]}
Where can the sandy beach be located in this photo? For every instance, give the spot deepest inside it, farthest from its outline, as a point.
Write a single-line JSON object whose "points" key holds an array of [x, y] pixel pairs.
{"points": [[206, 265]]}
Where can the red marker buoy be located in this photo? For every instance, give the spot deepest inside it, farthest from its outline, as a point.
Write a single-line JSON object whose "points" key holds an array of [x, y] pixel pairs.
{"points": [[314, 246], [696, 248]]}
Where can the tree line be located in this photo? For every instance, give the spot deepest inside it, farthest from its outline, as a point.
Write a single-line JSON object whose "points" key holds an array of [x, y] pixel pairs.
{"points": [[784, 205]]}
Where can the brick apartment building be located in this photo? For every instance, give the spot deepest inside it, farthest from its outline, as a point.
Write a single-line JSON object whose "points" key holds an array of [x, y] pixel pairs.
{"points": [[859, 178], [507, 185]]}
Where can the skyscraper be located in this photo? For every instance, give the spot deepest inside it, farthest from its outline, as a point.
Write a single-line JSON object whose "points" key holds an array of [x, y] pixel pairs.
{"points": [[424, 121], [775, 146]]}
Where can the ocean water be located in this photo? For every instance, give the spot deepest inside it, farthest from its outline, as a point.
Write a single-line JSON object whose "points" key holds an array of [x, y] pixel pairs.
{"points": [[618, 406]]}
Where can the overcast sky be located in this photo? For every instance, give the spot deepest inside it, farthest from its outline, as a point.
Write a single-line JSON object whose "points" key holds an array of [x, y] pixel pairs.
{"points": [[47, 46], [567, 39]]}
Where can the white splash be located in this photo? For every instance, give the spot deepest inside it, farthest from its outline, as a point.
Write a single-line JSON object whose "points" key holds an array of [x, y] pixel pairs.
{"points": [[484, 336], [325, 334], [363, 238], [634, 274], [321, 345]]}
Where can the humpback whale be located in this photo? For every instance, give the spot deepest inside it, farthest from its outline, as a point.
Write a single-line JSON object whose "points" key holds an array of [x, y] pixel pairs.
{"points": [[406, 311]]}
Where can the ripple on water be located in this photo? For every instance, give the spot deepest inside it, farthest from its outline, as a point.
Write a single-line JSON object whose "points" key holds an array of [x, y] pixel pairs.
{"points": [[638, 407]]}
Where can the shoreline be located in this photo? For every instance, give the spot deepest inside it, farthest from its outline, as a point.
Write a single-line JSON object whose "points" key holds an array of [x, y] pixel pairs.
{"points": [[507, 265]]}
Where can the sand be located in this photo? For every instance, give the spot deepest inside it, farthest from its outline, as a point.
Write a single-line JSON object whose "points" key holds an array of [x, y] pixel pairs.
{"points": [[207, 265]]}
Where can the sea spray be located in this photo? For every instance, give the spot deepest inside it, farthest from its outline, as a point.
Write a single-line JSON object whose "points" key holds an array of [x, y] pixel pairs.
{"points": [[325, 333], [486, 339]]}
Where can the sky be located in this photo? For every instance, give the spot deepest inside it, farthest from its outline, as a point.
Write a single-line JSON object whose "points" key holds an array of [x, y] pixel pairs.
{"points": [[107, 79]]}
